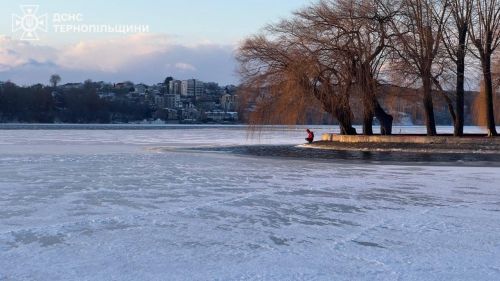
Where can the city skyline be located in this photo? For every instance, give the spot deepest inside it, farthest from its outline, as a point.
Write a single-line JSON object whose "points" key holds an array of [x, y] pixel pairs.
{"points": [[199, 43]]}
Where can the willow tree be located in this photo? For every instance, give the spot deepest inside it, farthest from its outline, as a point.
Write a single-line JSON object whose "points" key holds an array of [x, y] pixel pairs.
{"points": [[420, 31], [485, 34], [273, 83], [283, 78], [326, 51], [362, 32]]}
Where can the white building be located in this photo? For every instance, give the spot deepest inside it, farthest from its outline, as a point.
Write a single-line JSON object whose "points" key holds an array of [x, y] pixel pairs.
{"points": [[192, 88], [220, 116], [175, 87], [173, 101], [229, 102]]}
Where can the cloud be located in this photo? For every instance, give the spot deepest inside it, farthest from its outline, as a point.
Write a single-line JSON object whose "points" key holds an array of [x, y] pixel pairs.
{"points": [[15, 53], [185, 66], [145, 58], [112, 55]]}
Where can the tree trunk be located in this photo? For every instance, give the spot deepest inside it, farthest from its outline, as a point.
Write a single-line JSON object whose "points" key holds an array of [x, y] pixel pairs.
{"points": [[371, 105], [344, 116], [368, 124], [367, 115], [488, 94], [347, 130], [345, 121], [459, 122], [384, 119], [366, 83], [340, 109], [430, 122]]}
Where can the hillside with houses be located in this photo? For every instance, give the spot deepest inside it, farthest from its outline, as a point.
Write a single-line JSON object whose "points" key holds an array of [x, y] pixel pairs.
{"points": [[172, 101]]}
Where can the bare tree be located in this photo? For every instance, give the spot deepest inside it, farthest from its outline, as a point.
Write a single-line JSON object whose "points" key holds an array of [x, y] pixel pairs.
{"points": [[55, 79], [485, 34], [455, 40], [420, 31], [325, 51], [361, 36]]}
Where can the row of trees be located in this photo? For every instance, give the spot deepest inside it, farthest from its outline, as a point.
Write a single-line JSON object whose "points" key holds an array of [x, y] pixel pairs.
{"points": [[43, 104], [331, 49]]}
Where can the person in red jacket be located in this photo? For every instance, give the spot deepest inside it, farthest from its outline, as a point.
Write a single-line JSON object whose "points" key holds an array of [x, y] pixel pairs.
{"points": [[310, 136]]}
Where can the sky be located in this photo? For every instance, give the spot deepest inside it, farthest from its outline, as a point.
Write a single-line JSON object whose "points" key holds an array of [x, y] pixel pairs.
{"points": [[185, 39]]}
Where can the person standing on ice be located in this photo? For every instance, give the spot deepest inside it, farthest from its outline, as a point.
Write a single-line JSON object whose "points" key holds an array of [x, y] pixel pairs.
{"points": [[310, 136]]}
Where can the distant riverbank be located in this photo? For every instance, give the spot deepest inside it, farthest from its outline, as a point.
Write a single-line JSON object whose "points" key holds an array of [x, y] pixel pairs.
{"points": [[129, 126]]}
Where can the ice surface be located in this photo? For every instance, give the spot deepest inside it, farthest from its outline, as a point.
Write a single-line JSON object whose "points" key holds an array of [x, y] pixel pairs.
{"points": [[106, 205]]}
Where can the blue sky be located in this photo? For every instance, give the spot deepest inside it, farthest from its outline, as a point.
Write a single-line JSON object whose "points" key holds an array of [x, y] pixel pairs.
{"points": [[190, 38]]}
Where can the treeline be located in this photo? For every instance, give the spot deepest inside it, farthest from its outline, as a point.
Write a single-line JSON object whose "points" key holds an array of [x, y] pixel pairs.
{"points": [[334, 51], [44, 104]]}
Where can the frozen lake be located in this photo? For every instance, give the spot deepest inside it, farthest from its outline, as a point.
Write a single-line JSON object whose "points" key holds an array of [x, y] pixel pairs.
{"points": [[137, 203]]}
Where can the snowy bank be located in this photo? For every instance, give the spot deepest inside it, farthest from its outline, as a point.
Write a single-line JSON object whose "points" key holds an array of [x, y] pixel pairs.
{"points": [[411, 143]]}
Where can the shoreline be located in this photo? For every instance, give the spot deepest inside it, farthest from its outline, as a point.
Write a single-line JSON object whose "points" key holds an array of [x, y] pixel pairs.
{"points": [[308, 153], [411, 143], [369, 147]]}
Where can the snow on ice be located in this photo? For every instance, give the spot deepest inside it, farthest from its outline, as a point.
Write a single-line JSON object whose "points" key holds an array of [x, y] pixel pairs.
{"points": [[107, 205]]}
